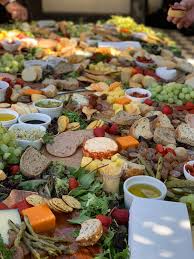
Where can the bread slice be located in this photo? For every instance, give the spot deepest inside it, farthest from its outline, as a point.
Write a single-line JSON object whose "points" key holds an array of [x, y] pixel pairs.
{"points": [[91, 231], [141, 128], [132, 169], [162, 121], [33, 163], [100, 148], [164, 136], [185, 134], [29, 74]]}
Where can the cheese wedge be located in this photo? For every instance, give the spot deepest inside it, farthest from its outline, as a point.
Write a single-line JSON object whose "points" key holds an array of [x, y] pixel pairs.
{"points": [[5, 216]]}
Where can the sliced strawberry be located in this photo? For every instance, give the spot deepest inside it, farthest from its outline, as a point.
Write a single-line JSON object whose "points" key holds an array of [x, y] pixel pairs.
{"points": [[14, 169], [149, 102], [73, 183], [114, 129], [105, 220], [19, 81], [99, 132], [166, 109]]}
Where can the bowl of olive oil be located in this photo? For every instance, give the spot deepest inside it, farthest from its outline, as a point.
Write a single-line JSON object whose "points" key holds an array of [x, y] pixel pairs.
{"points": [[145, 187], [8, 117]]}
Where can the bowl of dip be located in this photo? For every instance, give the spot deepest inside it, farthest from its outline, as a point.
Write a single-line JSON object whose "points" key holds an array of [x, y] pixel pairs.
{"points": [[146, 187], [8, 117], [3, 88], [35, 119], [51, 107]]}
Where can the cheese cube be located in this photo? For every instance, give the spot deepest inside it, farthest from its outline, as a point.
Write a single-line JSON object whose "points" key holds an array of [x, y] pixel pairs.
{"points": [[127, 142], [5, 216], [41, 218]]}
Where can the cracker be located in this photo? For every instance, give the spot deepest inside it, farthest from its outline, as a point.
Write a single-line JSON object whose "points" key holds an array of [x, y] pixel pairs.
{"points": [[35, 200], [71, 201], [73, 126], [61, 205], [53, 207]]}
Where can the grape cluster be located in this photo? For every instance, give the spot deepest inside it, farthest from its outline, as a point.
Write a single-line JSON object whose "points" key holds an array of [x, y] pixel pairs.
{"points": [[172, 93], [10, 152], [10, 63]]}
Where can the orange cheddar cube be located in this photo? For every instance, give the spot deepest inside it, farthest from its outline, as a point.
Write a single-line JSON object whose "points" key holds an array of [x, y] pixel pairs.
{"points": [[123, 100], [127, 142], [41, 218]]}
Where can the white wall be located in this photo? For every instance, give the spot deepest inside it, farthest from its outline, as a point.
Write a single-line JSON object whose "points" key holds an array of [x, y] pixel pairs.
{"points": [[92, 6], [87, 6]]}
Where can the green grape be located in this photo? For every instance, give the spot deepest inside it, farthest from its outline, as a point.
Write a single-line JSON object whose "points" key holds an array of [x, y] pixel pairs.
{"points": [[6, 156], [181, 96], [17, 152], [1, 166], [170, 100], [185, 90], [192, 94], [188, 97], [4, 148], [179, 102], [6, 138]]}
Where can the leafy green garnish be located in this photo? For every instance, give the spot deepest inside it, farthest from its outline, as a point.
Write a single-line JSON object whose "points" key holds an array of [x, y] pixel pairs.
{"points": [[61, 186], [48, 138], [75, 117], [109, 250], [5, 253]]}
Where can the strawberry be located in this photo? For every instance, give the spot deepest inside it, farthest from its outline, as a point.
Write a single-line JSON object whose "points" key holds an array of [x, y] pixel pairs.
{"points": [[166, 109], [149, 102], [189, 106], [114, 129], [137, 70], [73, 183], [106, 128], [19, 81], [6, 79], [14, 169], [121, 216], [105, 220], [170, 150], [99, 132], [159, 148]]}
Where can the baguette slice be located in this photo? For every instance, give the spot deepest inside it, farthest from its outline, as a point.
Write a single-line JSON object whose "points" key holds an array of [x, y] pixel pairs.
{"points": [[141, 128], [91, 231], [164, 136], [33, 163], [29, 74], [185, 134], [162, 121]]}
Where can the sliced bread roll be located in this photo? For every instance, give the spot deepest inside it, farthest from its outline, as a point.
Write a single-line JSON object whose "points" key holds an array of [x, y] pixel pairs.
{"points": [[141, 128], [164, 136], [33, 163], [185, 134], [162, 121], [91, 231]]}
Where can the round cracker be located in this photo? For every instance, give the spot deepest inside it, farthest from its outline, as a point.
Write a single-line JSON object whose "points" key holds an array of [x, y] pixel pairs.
{"points": [[61, 205], [72, 202], [35, 200], [53, 207]]}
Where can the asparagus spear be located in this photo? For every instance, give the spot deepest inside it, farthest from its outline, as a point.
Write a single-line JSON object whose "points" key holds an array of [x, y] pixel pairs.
{"points": [[147, 166], [32, 250], [180, 184], [159, 168], [20, 235]]}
